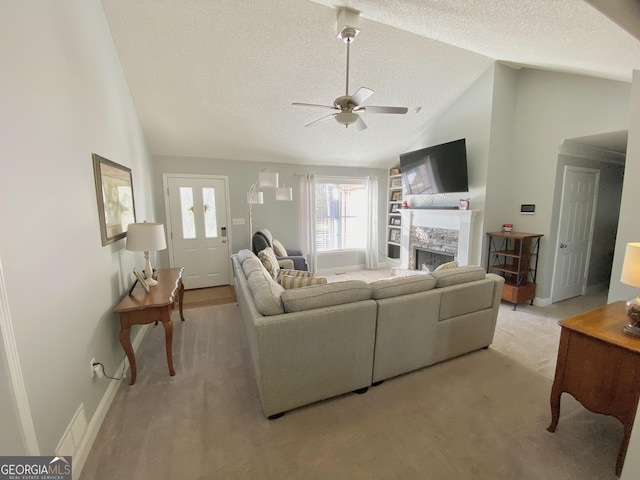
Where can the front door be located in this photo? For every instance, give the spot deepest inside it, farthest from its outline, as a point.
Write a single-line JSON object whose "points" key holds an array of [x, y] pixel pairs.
{"points": [[199, 234], [575, 232]]}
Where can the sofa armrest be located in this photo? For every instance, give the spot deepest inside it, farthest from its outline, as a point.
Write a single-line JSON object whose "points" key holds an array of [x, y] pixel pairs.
{"points": [[286, 263], [291, 252]]}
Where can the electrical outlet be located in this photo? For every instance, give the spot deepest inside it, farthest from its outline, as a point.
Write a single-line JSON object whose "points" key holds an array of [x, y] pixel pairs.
{"points": [[93, 372]]}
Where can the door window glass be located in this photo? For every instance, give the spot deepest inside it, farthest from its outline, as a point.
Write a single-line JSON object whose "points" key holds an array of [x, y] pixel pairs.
{"points": [[209, 201], [186, 210]]}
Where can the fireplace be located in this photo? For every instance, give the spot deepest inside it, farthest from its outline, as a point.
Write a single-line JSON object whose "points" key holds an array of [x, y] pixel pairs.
{"points": [[431, 259], [446, 232]]}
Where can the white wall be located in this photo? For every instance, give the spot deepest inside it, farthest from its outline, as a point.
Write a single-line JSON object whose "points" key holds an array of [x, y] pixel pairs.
{"points": [[282, 218], [629, 231], [468, 117], [63, 97], [552, 107]]}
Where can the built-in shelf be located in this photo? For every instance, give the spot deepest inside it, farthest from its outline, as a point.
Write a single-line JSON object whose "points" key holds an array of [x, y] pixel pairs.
{"points": [[394, 217]]}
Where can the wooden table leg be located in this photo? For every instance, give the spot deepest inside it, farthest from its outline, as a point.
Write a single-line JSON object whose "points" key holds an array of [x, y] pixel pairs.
{"points": [[555, 408], [557, 388], [622, 453], [168, 336], [125, 341], [181, 299]]}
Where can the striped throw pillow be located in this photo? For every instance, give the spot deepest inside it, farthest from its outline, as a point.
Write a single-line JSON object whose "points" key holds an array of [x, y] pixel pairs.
{"points": [[289, 282]]}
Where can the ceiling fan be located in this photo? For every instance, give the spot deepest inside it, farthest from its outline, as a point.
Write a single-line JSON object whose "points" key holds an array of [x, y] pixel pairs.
{"points": [[348, 107]]}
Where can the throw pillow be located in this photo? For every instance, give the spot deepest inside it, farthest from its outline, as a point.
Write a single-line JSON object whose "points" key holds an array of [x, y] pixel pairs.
{"points": [[288, 282], [447, 266], [279, 250], [270, 262]]}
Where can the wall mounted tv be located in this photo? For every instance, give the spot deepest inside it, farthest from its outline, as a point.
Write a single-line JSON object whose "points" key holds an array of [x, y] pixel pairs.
{"points": [[438, 169]]}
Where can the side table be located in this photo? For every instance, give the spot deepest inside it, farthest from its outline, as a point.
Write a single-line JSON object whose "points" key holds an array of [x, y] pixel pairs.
{"points": [[600, 366], [141, 307]]}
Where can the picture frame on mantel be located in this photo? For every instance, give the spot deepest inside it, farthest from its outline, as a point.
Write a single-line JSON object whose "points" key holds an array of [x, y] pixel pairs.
{"points": [[114, 193]]}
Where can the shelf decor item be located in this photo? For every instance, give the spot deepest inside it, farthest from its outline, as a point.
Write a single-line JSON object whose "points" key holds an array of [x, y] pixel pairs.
{"points": [[114, 191], [631, 276]]}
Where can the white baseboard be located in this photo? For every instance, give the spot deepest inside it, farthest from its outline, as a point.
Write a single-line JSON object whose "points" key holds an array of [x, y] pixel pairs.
{"points": [[350, 268], [542, 302], [84, 447]]}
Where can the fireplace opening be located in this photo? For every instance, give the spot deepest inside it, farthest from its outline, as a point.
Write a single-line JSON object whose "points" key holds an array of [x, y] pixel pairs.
{"points": [[431, 259]]}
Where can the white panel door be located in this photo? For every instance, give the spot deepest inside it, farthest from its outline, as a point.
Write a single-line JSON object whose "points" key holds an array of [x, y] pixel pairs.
{"points": [[577, 215], [198, 230]]}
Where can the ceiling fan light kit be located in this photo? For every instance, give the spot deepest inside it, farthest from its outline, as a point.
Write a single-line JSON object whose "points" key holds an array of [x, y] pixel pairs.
{"points": [[349, 106]]}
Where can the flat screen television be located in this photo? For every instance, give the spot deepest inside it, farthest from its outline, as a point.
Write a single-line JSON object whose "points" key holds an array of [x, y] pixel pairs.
{"points": [[438, 169]]}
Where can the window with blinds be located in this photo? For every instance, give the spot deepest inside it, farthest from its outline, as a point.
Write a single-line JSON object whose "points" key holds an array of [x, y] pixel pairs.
{"points": [[341, 210]]}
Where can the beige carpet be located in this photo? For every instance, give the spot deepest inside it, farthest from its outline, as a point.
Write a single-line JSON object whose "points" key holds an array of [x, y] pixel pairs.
{"points": [[204, 297], [480, 416]]}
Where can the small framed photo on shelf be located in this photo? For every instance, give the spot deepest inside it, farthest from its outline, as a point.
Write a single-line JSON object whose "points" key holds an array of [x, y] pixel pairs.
{"points": [[395, 208], [395, 221], [140, 279], [396, 196], [394, 171], [394, 236], [396, 183]]}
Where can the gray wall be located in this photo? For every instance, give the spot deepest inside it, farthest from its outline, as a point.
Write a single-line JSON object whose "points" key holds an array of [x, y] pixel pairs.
{"points": [[552, 107], [515, 122], [64, 96], [282, 218], [629, 231]]}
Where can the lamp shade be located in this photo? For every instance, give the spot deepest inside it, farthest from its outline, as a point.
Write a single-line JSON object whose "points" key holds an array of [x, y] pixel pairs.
{"points": [[284, 194], [631, 265], [145, 237], [255, 198], [268, 180]]}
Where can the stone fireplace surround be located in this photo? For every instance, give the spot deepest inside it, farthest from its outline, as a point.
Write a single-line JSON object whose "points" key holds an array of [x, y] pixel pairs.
{"points": [[447, 231]]}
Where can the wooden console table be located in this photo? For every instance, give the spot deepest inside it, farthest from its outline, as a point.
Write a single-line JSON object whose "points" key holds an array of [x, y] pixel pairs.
{"points": [[600, 366], [141, 308]]}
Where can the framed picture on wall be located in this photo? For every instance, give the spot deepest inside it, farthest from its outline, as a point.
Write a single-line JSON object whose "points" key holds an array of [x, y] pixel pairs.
{"points": [[114, 192]]}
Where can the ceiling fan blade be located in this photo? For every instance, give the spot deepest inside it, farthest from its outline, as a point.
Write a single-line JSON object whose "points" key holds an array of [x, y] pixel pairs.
{"points": [[320, 119], [360, 125], [330, 107], [372, 109], [361, 95]]}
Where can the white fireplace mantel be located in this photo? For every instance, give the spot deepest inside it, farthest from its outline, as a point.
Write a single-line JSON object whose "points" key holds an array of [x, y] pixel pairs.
{"points": [[459, 220]]}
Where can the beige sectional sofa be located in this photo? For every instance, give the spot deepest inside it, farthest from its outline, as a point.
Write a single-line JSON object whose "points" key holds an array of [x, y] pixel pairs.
{"points": [[312, 343]]}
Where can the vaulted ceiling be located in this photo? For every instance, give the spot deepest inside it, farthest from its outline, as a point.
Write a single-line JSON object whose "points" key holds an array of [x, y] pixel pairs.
{"points": [[216, 78]]}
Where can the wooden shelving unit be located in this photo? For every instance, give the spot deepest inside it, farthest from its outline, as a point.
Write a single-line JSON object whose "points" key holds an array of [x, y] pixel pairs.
{"points": [[514, 255], [394, 218]]}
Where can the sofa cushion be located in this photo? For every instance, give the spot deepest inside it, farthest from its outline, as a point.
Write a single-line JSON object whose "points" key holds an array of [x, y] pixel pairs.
{"points": [[244, 254], [269, 260], [455, 276], [266, 293], [288, 281], [250, 265], [393, 287], [279, 249], [318, 296], [446, 266]]}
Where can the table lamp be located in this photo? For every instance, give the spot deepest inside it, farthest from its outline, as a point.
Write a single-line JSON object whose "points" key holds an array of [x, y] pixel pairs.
{"points": [[146, 237], [631, 276]]}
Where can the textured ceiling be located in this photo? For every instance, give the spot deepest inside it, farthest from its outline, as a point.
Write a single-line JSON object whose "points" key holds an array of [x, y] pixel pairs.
{"points": [[216, 78]]}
